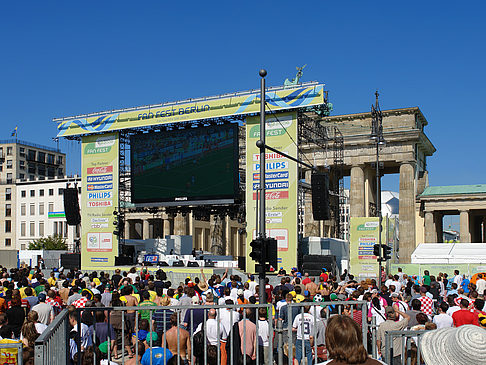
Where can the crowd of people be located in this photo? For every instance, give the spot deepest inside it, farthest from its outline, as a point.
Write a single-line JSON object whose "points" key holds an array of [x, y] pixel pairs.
{"points": [[177, 323]]}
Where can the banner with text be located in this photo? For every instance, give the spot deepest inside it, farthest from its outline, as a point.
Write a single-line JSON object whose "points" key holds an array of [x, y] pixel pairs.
{"points": [[99, 199], [196, 109], [280, 184]]}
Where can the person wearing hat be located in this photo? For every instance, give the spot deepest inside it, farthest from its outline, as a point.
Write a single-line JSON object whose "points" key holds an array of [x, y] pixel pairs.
{"points": [[390, 324], [44, 310], [397, 301], [454, 346]]}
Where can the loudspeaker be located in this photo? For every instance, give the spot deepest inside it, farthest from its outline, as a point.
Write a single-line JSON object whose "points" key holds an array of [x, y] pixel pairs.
{"points": [[71, 206], [178, 263], [242, 263], [71, 261], [320, 196], [123, 260], [192, 264]]}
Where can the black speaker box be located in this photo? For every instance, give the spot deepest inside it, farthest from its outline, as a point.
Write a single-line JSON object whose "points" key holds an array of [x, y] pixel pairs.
{"points": [[71, 206], [192, 264], [320, 196], [178, 263], [71, 261]]}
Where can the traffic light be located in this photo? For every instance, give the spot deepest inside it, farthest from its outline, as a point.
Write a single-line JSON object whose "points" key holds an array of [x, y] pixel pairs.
{"points": [[386, 252], [271, 252], [376, 250], [258, 250]]}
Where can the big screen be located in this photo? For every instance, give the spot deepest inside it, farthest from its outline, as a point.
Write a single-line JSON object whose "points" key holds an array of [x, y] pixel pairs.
{"points": [[186, 165]]}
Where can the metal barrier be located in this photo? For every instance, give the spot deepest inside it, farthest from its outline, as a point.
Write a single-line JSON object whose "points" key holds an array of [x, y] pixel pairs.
{"points": [[228, 331], [409, 341], [52, 345], [18, 346]]}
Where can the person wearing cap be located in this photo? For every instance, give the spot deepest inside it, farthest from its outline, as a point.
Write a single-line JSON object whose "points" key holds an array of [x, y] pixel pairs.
{"points": [[390, 324], [398, 302], [459, 346], [44, 310], [241, 299]]}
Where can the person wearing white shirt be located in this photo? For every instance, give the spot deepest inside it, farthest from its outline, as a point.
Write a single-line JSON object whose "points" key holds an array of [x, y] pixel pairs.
{"points": [[212, 329], [443, 320], [303, 324], [480, 285], [457, 278], [228, 317], [252, 284], [263, 334]]}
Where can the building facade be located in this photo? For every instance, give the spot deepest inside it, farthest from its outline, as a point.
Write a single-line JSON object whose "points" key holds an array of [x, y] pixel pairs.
{"points": [[22, 161], [40, 211]]}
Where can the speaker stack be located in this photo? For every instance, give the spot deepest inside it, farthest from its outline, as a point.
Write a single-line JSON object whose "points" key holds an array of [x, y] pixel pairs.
{"points": [[71, 206], [320, 196]]}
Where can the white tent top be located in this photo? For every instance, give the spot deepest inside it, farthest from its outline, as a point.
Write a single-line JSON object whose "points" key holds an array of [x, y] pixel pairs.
{"points": [[449, 253]]}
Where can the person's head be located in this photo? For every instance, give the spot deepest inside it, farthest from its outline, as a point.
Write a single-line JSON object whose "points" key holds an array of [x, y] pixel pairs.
{"points": [[32, 316], [289, 298], [29, 332], [443, 307], [344, 340], [464, 303], [390, 313], [28, 291], [456, 272], [144, 325], [100, 316], [479, 304], [262, 313], [426, 272], [212, 314], [421, 318]]}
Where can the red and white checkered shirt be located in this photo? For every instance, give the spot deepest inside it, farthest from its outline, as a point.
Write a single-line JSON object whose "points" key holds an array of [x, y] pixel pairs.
{"points": [[81, 302], [427, 305], [53, 302]]}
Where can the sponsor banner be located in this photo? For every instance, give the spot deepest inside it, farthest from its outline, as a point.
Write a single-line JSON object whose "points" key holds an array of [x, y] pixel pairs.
{"points": [[100, 178], [280, 182], [197, 109], [99, 200], [91, 187]]}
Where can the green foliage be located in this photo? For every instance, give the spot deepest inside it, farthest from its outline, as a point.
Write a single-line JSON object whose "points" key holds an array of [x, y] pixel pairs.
{"points": [[55, 242]]}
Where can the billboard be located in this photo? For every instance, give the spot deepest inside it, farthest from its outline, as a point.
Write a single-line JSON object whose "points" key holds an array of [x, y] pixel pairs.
{"points": [[196, 109], [281, 186], [99, 199], [189, 166]]}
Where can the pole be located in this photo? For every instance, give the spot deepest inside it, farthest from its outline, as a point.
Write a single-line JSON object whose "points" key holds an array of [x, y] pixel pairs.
{"points": [[378, 209], [261, 145]]}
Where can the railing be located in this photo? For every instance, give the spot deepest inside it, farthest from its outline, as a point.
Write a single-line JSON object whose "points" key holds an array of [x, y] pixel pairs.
{"points": [[52, 346], [409, 341], [28, 144], [218, 339]]}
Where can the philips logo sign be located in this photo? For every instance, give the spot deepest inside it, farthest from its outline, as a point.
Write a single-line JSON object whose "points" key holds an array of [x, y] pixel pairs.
{"points": [[272, 166], [105, 195]]}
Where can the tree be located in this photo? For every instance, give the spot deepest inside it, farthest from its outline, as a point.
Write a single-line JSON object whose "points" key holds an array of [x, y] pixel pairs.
{"points": [[55, 242]]}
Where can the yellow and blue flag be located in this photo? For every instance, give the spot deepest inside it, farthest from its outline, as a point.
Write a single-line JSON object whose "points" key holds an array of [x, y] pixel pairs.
{"points": [[14, 133]]}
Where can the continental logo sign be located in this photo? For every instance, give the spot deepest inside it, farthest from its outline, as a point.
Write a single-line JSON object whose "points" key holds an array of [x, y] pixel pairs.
{"points": [[192, 110]]}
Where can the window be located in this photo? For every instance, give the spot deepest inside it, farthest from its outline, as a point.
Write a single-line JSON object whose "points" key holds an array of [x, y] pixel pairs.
{"points": [[8, 210], [59, 160], [41, 229], [42, 170], [41, 192], [9, 164], [31, 169], [8, 194], [31, 155], [50, 207], [61, 172], [22, 229], [41, 208], [32, 209], [31, 177], [41, 157], [55, 231], [79, 190], [22, 165], [50, 159], [22, 151], [32, 193], [51, 192], [8, 226], [60, 191], [22, 209], [32, 229], [22, 177], [9, 151], [8, 242], [9, 178]]}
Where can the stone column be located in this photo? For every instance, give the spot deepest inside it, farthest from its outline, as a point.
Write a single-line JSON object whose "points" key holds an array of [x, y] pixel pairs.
{"points": [[356, 193], [167, 227], [127, 229], [180, 224], [145, 229], [439, 227], [407, 212], [464, 227], [430, 229]]}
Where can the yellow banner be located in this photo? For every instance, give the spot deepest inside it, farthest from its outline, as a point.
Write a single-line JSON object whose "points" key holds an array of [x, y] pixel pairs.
{"points": [[99, 199], [280, 183], [198, 109]]}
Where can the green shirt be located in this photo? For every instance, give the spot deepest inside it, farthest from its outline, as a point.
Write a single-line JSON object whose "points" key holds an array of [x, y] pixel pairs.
{"points": [[38, 289], [145, 314], [426, 280]]}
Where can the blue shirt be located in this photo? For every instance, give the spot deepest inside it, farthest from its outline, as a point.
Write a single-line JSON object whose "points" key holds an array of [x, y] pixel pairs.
{"points": [[157, 356], [464, 284]]}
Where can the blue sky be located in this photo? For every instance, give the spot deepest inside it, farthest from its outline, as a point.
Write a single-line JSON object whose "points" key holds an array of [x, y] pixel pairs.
{"points": [[66, 58]]}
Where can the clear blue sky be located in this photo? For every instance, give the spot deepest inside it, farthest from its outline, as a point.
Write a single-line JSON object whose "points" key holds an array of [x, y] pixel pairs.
{"points": [[67, 58]]}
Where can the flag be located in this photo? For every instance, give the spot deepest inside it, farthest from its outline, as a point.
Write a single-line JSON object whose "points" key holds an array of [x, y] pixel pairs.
{"points": [[14, 133]]}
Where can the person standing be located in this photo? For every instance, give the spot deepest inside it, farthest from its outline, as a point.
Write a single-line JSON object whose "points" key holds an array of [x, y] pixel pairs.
{"points": [[443, 320], [464, 315], [480, 285], [303, 324], [390, 324]]}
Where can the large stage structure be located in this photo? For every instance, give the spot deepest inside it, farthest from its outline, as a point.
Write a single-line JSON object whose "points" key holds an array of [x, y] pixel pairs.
{"points": [[109, 173]]}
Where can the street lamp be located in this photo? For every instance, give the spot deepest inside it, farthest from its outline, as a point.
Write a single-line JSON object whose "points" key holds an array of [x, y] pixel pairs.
{"points": [[377, 138]]}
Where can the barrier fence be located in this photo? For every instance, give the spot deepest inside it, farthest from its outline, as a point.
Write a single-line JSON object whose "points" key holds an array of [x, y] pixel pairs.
{"points": [[230, 333], [407, 343]]}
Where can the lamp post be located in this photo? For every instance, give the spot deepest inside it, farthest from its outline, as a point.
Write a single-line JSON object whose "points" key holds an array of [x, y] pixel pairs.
{"points": [[377, 138]]}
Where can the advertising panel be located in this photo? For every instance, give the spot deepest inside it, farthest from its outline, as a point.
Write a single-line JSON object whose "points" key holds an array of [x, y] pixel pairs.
{"points": [[197, 109], [280, 183], [363, 236], [99, 199]]}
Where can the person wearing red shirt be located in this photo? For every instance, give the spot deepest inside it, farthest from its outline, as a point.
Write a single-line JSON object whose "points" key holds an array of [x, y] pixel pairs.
{"points": [[307, 279], [324, 275], [464, 315]]}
